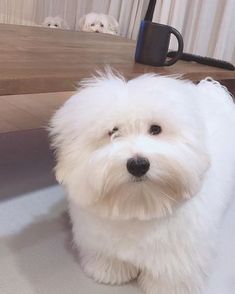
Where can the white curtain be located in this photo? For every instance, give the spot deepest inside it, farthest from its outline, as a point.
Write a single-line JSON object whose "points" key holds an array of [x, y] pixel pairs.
{"points": [[18, 11], [32, 12], [207, 26]]}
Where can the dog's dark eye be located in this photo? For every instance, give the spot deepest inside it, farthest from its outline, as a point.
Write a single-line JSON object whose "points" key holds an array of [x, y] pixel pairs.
{"points": [[49, 25], [155, 130], [114, 130], [56, 25], [92, 24], [101, 25]]}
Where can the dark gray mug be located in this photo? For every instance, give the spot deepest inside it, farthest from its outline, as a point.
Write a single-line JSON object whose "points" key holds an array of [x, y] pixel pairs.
{"points": [[153, 44]]}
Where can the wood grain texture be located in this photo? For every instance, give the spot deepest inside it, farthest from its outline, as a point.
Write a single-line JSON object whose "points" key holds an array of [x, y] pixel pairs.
{"points": [[29, 111], [37, 60]]}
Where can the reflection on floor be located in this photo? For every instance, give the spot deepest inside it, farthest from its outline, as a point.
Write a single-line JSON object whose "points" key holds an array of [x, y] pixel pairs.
{"points": [[26, 162]]}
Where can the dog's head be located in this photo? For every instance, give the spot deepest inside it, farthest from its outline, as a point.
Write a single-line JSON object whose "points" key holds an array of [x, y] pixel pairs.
{"points": [[98, 23], [55, 23], [130, 149]]}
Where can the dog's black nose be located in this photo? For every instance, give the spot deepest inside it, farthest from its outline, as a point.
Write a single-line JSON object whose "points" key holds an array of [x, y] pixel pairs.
{"points": [[138, 166]]}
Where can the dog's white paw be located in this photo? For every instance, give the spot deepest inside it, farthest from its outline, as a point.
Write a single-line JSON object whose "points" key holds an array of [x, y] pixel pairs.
{"points": [[147, 283], [107, 270], [164, 285]]}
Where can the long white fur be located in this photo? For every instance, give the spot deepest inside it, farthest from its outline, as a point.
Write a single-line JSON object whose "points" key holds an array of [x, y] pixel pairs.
{"points": [[98, 23], [55, 22], [162, 230]]}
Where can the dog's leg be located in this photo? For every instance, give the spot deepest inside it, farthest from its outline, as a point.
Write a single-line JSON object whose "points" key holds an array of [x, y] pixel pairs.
{"points": [[163, 285], [107, 270]]}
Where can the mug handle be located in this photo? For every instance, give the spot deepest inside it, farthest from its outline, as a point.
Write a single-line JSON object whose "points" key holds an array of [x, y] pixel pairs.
{"points": [[180, 48]]}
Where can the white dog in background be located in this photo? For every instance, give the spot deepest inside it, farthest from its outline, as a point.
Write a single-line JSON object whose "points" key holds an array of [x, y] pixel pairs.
{"points": [[55, 23], [98, 23], [149, 167]]}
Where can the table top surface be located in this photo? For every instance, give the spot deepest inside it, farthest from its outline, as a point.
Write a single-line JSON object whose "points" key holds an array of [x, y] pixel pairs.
{"points": [[37, 60]]}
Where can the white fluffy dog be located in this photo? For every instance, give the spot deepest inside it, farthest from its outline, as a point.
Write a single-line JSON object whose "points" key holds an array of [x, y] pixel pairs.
{"points": [[98, 23], [55, 22], [149, 167]]}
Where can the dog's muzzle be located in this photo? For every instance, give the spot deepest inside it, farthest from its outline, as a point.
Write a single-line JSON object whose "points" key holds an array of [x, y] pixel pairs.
{"points": [[137, 166]]}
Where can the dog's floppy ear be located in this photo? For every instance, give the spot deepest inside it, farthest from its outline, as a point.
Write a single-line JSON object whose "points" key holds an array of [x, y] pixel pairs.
{"points": [[62, 22], [81, 22], [65, 25], [113, 24], [215, 90], [46, 21]]}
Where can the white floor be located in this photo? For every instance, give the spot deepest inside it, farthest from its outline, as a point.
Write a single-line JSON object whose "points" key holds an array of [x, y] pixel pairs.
{"points": [[36, 256]]}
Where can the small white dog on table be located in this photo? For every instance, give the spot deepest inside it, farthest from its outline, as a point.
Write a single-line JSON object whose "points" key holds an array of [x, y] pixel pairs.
{"points": [[55, 22], [98, 23], [148, 166]]}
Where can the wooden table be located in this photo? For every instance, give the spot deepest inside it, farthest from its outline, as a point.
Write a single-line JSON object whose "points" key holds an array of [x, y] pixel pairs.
{"points": [[40, 60]]}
